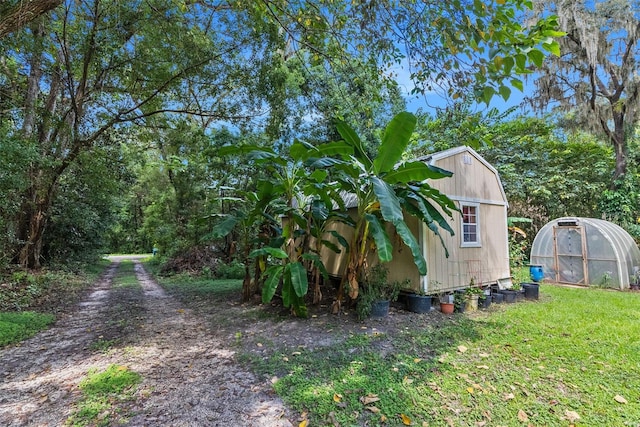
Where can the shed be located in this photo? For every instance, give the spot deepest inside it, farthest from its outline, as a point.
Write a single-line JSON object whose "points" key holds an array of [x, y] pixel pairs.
{"points": [[479, 249], [586, 251]]}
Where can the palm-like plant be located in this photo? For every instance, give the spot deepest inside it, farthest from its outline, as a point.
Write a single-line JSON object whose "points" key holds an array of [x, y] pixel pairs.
{"points": [[385, 191]]}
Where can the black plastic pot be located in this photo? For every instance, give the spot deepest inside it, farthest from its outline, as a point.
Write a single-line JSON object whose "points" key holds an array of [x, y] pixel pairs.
{"points": [[509, 296], [486, 302], [497, 298], [418, 303], [531, 291], [380, 309]]}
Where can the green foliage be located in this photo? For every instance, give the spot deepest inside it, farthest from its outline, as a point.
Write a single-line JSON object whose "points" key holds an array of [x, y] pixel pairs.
{"points": [[46, 291], [102, 393], [232, 270], [18, 326], [376, 287], [546, 177]]}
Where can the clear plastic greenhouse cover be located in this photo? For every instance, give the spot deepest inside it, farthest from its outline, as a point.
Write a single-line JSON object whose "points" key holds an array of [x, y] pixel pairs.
{"points": [[586, 251]]}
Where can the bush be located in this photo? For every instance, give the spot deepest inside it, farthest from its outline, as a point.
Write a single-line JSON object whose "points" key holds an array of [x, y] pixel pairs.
{"points": [[233, 270]]}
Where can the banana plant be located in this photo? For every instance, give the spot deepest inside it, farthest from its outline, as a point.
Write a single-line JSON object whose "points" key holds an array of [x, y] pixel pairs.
{"points": [[300, 193], [385, 190]]}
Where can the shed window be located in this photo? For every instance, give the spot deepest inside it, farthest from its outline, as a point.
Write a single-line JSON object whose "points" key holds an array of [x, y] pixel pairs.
{"points": [[470, 224]]}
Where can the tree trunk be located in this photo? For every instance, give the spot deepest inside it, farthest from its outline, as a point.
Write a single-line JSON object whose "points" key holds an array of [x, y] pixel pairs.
{"points": [[35, 218], [620, 148]]}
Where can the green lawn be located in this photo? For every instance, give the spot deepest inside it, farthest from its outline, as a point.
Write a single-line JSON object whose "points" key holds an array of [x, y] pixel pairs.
{"points": [[571, 358]]}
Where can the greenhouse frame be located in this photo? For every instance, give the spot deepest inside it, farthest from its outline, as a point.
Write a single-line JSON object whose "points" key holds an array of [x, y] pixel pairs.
{"points": [[586, 251]]}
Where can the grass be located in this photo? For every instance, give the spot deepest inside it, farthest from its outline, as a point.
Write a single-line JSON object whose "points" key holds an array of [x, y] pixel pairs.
{"points": [[572, 358], [30, 301], [18, 326], [126, 276], [104, 394]]}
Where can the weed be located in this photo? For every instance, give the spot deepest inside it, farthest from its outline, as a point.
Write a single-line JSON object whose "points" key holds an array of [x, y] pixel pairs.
{"points": [[15, 327], [126, 276], [102, 392]]}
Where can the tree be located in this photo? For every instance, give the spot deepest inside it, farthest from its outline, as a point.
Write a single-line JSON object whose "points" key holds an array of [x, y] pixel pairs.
{"points": [[99, 66], [21, 12], [385, 192], [595, 79]]}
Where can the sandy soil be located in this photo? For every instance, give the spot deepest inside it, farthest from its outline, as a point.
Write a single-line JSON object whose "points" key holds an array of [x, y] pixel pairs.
{"points": [[190, 377]]}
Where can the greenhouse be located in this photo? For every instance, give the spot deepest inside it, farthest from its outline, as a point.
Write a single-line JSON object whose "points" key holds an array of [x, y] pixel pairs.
{"points": [[586, 251]]}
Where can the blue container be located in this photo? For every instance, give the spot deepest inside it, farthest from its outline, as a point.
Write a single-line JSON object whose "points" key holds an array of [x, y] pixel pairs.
{"points": [[536, 273]]}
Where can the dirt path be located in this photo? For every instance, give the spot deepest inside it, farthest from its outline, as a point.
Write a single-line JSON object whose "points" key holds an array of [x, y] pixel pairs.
{"points": [[189, 374]]}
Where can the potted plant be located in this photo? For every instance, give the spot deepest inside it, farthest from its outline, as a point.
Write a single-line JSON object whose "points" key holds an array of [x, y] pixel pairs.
{"points": [[418, 302], [459, 301], [376, 293], [446, 303], [472, 294]]}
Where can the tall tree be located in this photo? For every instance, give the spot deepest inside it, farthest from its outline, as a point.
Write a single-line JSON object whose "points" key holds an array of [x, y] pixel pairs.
{"points": [[595, 80], [99, 65], [16, 14]]}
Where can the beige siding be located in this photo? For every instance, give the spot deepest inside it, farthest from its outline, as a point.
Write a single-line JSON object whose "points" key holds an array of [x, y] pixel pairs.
{"points": [[470, 181]]}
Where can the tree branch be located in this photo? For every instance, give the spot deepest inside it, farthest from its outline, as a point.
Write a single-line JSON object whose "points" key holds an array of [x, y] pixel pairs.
{"points": [[24, 12]]}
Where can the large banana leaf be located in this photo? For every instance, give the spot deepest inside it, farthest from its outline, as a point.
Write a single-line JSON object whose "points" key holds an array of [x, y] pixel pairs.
{"points": [[389, 203], [224, 227], [298, 277], [420, 211], [415, 172], [394, 142], [351, 137], [409, 239], [380, 237], [274, 252], [336, 148], [273, 275]]}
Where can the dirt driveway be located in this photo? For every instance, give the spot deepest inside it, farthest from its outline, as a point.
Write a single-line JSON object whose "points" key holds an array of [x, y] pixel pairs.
{"points": [[187, 365]]}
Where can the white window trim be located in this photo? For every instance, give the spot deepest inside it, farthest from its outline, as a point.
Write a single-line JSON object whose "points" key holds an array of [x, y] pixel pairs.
{"points": [[478, 242]]}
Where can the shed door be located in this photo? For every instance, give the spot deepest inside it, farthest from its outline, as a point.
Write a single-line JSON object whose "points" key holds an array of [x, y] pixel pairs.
{"points": [[570, 253]]}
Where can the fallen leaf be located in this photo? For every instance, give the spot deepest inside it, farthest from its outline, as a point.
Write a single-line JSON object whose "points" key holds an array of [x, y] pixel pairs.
{"points": [[482, 367], [509, 396], [522, 416], [417, 360], [373, 409], [337, 397], [620, 399], [259, 344], [470, 390], [405, 420], [383, 418], [370, 398], [481, 423], [425, 424], [483, 354], [407, 380], [571, 416], [303, 423], [462, 348]]}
